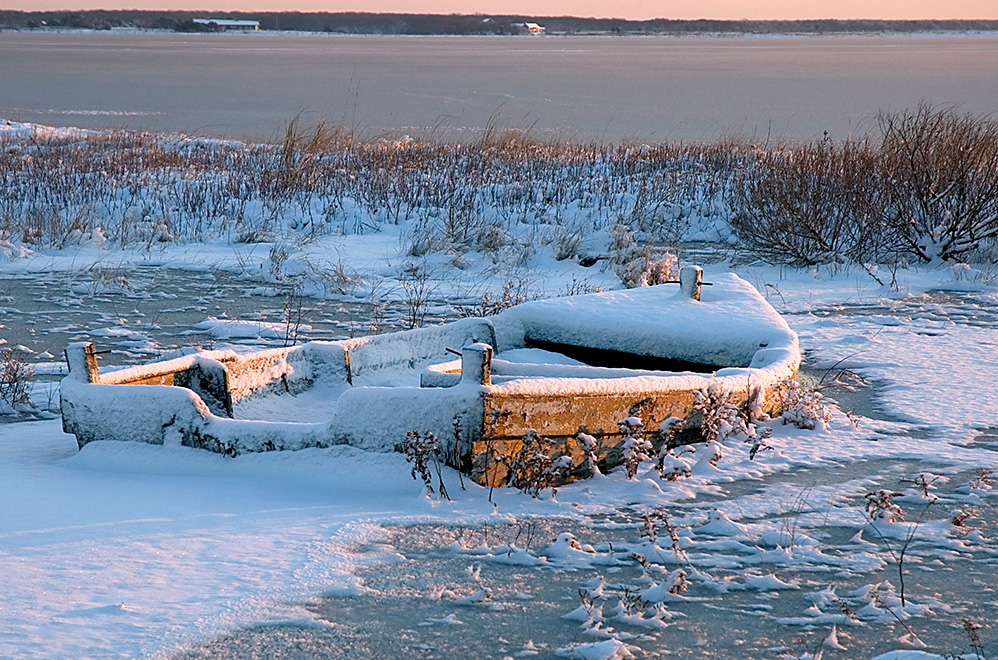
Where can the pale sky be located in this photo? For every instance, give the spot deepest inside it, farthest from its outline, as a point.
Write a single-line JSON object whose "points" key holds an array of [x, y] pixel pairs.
{"points": [[634, 9]]}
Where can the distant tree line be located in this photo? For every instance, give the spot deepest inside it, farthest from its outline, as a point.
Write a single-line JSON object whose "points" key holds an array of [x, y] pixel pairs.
{"points": [[415, 24]]}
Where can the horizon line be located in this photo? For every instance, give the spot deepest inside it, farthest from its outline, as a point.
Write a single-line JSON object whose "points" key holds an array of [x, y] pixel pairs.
{"points": [[510, 14]]}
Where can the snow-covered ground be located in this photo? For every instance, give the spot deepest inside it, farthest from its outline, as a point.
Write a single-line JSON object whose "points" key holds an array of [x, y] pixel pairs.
{"points": [[128, 550], [125, 550]]}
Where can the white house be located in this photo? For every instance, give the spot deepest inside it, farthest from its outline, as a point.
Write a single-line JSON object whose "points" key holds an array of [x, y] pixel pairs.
{"points": [[531, 28]]}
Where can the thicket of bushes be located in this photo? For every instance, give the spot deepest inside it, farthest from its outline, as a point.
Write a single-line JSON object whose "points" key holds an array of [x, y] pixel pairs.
{"points": [[924, 187]]}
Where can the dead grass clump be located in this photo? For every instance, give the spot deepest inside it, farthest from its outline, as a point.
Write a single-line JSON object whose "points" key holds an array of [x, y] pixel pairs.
{"points": [[490, 304]]}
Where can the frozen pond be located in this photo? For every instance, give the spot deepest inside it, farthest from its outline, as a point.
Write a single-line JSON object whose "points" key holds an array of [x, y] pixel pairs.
{"points": [[775, 550], [591, 88], [140, 314], [835, 570], [417, 606]]}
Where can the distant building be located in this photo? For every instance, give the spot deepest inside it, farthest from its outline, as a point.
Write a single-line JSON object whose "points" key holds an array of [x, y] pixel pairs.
{"points": [[228, 23], [530, 28]]}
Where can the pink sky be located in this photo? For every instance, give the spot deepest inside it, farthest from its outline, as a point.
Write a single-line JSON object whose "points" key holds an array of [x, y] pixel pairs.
{"points": [[727, 9]]}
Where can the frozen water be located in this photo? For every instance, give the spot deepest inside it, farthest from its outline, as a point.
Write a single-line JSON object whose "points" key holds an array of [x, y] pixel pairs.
{"points": [[568, 87]]}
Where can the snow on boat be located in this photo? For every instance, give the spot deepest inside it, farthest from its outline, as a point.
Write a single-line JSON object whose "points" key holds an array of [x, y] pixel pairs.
{"points": [[558, 366]]}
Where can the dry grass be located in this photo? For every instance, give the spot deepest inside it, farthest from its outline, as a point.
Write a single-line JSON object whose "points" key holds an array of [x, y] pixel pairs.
{"points": [[925, 186]]}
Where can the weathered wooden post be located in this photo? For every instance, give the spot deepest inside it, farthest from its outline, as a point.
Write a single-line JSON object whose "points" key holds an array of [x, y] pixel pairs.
{"points": [[690, 279], [476, 364], [82, 360]]}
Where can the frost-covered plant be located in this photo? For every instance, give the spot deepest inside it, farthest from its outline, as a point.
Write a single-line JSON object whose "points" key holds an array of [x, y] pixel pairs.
{"points": [[534, 468], [803, 408], [760, 442], [630, 604], [923, 482], [971, 628], [880, 505], [420, 450], [654, 523], [589, 612], [590, 445], [635, 448], [982, 480], [959, 518], [719, 416], [649, 529], [14, 377], [643, 563], [668, 464], [660, 268], [645, 267], [678, 584]]}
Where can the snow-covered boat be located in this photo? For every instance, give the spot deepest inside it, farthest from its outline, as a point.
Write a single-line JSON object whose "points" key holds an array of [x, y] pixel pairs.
{"points": [[557, 366]]}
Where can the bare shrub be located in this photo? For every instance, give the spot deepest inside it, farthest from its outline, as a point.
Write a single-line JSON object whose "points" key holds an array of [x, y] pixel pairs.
{"points": [[941, 179], [534, 467], [293, 314], [489, 303], [15, 375], [421, 450], [416, 289], [581, 288], [333, 277], [635, 447], [279, 254], [567, 244], [254, 232], [924, 187], [421, 239], [493, 238], [802, 205]]}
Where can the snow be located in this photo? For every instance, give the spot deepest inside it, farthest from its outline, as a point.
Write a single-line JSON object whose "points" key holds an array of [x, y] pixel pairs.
{"points": [[155, 546], [610, 649], [124, 549], [726, 327], [96, 539], [236, 329]]}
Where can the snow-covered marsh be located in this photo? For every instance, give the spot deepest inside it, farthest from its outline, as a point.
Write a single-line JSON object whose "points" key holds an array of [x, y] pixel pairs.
{"points": [[869, 200], [127, 550]]}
